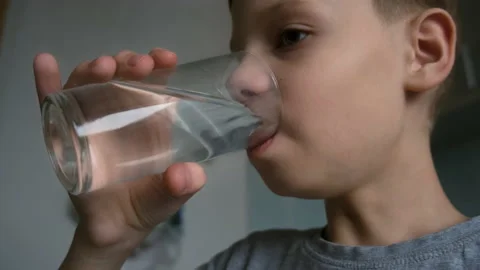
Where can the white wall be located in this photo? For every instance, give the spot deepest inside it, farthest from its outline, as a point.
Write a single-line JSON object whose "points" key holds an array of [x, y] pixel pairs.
{"points": [[35, 230]]}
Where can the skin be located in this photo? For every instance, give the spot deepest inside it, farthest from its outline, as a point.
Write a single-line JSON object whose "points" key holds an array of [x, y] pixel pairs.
{"points": [[355, 126], [114, 220]]}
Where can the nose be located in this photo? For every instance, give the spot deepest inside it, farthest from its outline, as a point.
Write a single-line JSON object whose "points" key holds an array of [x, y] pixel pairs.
{"points": [[250, 80]]}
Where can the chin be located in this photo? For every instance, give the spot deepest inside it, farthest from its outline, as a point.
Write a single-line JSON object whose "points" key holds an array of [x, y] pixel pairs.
{"points": [[277, 162], [288, 182]]}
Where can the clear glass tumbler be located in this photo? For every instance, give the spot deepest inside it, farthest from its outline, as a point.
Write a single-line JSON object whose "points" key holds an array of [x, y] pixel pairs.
{"points": [[101, 134]]}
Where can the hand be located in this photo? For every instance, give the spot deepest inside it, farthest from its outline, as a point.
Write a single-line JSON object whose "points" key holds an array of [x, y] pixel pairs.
{"points": [[114, 220]]}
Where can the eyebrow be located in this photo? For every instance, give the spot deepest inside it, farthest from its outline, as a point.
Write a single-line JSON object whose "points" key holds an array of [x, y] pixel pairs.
{"points": [[293, 7]]}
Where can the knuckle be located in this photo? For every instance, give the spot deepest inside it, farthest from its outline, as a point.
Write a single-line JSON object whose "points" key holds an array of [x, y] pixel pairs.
{"points": [[145, 215], [103, 68], [101, 76], [121, 60], [81, 67], [77, 75], [155, 51], [122, 55], [160, 189], [101, 59]]}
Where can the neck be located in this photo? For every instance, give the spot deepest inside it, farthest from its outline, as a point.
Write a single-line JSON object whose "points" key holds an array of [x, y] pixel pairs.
{"points": [[404, 203]]}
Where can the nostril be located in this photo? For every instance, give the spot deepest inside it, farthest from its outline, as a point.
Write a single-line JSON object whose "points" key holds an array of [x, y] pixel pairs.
{"points": [[247, 93]]}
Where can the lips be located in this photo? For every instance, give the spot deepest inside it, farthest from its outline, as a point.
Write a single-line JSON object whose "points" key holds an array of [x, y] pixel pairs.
{"points": [[261, 147]]}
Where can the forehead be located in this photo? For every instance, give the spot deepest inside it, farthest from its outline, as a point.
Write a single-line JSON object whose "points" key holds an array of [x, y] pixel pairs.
{"points": [[260, 19], [265, 4], [256, 5], [332, 9], [253, 13]]}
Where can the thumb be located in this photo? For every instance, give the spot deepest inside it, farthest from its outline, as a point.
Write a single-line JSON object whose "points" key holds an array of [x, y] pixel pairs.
{"points": [[155, 199]]}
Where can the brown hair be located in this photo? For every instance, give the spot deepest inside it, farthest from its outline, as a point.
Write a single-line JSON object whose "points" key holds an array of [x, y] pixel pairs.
{"points": [[391, 8]]}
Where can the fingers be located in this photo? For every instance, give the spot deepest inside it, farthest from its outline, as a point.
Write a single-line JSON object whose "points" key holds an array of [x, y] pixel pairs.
{"points": [[99, 70], [157, 198], [184, 179], [133, 66], [47, 75], [163, 58], [125, 65]]}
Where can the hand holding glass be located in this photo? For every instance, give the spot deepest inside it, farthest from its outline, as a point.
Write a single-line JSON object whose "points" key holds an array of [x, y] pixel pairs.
{"points": [[101, 134]]}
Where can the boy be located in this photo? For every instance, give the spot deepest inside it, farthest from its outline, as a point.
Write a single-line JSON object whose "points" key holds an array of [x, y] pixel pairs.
{"points": [[359, 81]]}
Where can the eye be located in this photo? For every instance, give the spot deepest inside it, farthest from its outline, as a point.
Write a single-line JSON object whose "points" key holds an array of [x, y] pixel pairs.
{"points": [[291, 37]]}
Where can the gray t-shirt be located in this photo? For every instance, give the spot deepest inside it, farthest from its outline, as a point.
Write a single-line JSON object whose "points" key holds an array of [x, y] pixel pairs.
{"points": [[455, 248]]}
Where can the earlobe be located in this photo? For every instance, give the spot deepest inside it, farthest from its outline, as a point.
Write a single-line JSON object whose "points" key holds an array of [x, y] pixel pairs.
{"points": [[433, 43]]}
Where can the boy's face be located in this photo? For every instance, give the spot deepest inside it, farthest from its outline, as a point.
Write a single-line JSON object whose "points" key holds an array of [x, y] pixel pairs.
{"points": [[340, 72]]}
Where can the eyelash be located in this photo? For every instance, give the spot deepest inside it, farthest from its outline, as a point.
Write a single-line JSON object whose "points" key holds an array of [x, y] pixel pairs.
{"points": [[282, 41]]}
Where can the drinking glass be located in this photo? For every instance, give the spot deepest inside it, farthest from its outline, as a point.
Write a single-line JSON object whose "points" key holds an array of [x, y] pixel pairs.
{"points": [[101, 134]]}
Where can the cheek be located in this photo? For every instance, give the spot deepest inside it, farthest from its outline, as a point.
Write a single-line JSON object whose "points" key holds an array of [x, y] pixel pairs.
{"points": [[346, 103]]}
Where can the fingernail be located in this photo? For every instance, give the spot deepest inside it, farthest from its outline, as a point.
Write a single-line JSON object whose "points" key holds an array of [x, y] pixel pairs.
{"points": [[135, 60]]}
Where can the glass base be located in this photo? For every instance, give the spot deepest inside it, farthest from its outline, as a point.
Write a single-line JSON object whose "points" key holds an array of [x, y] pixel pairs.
{"points": [[69, 154]]}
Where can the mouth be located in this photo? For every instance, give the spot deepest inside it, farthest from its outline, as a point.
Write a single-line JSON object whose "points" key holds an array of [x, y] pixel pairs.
{"points": [[260, 148]]}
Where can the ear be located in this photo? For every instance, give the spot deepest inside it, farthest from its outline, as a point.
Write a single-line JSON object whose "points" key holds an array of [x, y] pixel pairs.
{"points": [[433, 44]]}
